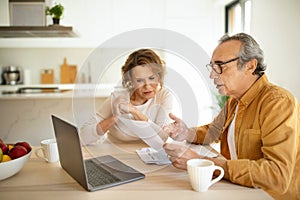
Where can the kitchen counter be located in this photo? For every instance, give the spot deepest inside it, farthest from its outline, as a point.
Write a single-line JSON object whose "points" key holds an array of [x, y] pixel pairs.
{"points": [[62, 91]]}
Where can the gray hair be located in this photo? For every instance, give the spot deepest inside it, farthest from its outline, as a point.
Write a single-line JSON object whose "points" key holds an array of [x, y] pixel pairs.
{"points": [[249, 50]]}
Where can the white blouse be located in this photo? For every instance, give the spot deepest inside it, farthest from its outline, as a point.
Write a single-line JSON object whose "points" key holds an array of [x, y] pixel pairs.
{"points": [[156, 109]]}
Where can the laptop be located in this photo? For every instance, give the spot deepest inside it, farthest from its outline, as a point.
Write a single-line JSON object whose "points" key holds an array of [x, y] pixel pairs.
{"points": [[92, 174]]}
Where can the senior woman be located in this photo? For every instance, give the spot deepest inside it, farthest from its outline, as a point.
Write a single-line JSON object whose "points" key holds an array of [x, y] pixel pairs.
{"points": [[143, 74]]}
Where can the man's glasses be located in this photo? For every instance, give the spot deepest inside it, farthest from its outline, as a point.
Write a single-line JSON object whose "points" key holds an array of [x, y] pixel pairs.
{"points": [[217, 67]]}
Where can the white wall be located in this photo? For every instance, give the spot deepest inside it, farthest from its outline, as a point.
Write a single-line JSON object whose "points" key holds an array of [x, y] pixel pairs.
{"points": [[95, 21], [275, 25], [4, 13], [35, 59]]}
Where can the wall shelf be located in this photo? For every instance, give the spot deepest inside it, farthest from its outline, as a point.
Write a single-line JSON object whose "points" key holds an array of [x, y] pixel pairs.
{"points": [[36, 31]]}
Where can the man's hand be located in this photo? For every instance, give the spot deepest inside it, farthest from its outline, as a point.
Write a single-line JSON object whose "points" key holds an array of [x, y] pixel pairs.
{"points": [[180, 154], [179, 131], [222, 162]]}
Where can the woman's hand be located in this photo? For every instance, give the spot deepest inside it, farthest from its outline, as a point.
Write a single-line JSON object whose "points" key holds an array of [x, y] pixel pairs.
{"points": [[115, 104], [103, 126], [128, 108], [125, 108]]}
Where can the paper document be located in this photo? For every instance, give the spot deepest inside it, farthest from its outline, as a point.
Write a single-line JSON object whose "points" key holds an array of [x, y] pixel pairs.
{"points": [[199, 149], [151, 156], [144, 130], [203, 151], [148, 132]]}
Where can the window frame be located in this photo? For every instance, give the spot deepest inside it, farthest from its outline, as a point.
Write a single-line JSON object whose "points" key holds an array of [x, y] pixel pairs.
{"points": [[228, 8]]}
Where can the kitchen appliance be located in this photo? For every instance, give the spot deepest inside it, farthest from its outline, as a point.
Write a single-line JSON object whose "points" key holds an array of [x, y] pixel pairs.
{"points": [[12, 75]]}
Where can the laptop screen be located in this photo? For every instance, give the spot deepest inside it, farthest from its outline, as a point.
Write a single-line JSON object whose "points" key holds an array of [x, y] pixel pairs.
{"points": [[70, 154]]}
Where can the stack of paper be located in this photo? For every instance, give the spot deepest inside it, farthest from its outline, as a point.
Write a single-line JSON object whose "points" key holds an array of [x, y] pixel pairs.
{"points": [[151, 156]]}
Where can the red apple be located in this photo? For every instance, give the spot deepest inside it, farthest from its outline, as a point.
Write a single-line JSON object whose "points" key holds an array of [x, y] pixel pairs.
{"points": [[4, 148], [24, 144], [17, 151]]}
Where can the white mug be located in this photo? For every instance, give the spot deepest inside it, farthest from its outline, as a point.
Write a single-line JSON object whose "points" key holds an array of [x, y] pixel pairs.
{"points": [[201, 173], [49, 149]]}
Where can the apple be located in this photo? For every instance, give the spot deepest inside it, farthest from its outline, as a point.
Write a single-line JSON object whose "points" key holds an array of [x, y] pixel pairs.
{"points": [[4, 148], [17, 151], [24, 144]]}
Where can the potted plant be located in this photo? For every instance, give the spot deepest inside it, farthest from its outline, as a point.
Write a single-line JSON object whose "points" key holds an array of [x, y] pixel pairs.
{"points": [[55, 12], [221, 101]]}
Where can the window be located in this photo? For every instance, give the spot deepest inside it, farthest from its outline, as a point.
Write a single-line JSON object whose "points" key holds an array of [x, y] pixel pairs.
{"points": [[238, 16]]}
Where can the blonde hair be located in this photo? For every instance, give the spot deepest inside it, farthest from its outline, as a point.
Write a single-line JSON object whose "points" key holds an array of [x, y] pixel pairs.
{"points": [[143, 57]]}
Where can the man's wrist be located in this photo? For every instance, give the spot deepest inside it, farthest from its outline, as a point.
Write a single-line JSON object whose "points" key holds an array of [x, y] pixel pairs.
{"points": [[192, 136]]}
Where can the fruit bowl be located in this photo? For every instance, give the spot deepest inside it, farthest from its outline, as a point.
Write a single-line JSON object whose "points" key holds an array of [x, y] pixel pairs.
{"points": [[10, 168]]}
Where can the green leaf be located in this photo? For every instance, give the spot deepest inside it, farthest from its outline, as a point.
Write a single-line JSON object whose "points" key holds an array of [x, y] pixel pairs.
{"points": [[56, 11], [221, 100]]}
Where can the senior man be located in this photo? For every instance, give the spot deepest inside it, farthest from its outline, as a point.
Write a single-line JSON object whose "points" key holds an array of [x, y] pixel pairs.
{"points": [[258, 128]]}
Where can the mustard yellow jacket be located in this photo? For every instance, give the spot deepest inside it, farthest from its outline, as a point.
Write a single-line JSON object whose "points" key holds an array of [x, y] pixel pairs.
{"points": [[266, 138]]}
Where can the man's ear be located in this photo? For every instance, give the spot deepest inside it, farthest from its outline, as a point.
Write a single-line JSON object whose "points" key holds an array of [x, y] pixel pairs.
{"points": [[251, 65]]}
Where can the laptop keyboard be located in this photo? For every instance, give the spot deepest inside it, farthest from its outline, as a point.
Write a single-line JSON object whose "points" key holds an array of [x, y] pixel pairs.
{"points": [[97, 175]]}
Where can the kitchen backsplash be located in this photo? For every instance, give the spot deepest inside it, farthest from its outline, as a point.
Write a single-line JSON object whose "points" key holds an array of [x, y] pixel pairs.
{"points": [[34, 61]]}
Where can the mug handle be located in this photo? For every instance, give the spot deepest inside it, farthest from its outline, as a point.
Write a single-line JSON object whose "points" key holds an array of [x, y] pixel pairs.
{"points": [[37, 150], [219, 177]]}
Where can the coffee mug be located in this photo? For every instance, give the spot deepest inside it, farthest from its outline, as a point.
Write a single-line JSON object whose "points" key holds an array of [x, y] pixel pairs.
{"points": [[49, 150], [201, 173]]}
